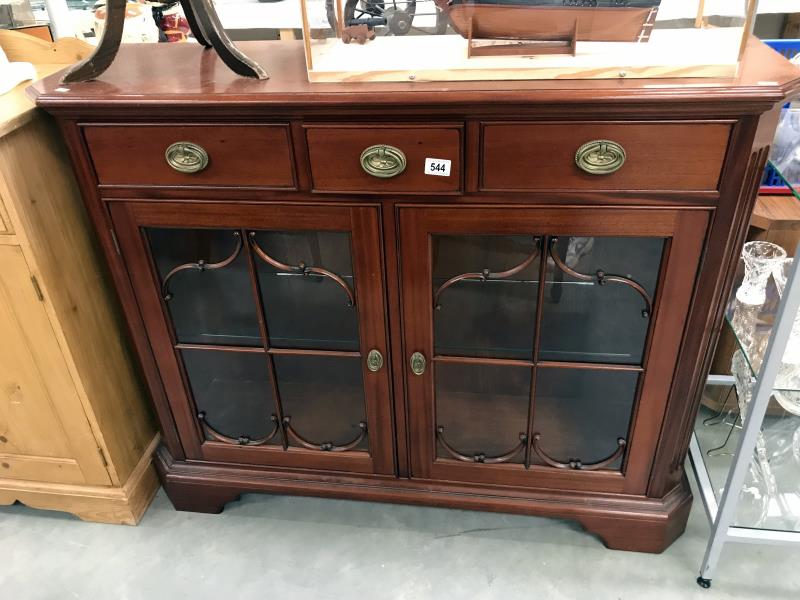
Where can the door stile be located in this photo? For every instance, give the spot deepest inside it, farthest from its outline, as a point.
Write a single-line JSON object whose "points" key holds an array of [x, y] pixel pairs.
{"points": [[366, 244]]}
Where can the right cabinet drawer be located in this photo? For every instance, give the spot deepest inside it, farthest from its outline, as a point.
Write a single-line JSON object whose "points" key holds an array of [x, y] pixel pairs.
{"points": [[681, 156]]}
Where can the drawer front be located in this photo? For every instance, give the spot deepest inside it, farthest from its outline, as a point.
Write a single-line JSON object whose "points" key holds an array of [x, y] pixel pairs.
{"points": [[236, 155], [336, 158], [658, 156]]}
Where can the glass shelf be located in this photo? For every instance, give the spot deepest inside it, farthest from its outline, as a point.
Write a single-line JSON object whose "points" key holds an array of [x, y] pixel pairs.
{"points": [[770, 498]]}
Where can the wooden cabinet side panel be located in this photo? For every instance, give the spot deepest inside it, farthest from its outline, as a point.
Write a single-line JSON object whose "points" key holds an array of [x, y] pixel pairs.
{"points": [[45, 433], [87, 324], [740, 179]]}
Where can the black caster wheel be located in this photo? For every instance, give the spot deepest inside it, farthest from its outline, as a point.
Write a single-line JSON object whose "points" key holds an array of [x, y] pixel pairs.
{"points": [[704, 583]]}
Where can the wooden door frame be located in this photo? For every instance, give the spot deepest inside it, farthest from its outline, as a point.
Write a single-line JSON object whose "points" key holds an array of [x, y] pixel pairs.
{"points": [[362, 222], [685, 230]]}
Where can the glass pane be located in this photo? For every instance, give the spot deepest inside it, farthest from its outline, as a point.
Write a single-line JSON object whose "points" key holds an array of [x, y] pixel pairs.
{"points": [[234, 391], [581, 413], [212, 305], [490, 317], [584, 321], [482, 409], [324, 398], [308, 310]]}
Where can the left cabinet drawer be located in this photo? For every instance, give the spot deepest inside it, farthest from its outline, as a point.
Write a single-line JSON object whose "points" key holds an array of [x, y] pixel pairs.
{"points": [[192, 155]]}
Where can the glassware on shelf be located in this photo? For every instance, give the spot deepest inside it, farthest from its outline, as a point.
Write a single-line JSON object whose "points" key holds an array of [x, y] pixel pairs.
{"points": [[760, 261], [744, 323]]}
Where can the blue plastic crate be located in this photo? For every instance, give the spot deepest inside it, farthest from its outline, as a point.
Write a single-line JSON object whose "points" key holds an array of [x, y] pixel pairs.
{"points": [[772, 181]]}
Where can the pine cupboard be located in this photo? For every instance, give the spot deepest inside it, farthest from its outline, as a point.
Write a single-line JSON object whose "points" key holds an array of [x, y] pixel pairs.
{"points": [[76, 433], [317, 312]]}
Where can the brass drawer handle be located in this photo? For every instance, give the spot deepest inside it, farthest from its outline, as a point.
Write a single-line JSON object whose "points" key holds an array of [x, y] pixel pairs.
{"points": [[374, 360], [186, 157], [383, 161], [600, 157], [418, 363]]}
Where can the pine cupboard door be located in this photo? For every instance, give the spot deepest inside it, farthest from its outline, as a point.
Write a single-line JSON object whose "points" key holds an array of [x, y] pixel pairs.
{"points": [[267, 324], [44, 432], [540, 343]]}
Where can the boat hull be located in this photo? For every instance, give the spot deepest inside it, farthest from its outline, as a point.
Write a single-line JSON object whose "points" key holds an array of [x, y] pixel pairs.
{"points": [[509, 22]]}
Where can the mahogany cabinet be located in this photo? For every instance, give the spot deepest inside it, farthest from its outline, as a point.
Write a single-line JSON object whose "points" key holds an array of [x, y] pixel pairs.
{"points": [[318, 311]]}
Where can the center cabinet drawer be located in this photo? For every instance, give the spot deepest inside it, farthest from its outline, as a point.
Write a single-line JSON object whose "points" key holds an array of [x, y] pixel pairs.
{"points": [[337, 154], [664, 156], [192, 155]]}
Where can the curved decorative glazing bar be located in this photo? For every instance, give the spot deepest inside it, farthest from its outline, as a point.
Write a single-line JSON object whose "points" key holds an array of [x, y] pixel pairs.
{"points": [[301, 269], [201, 266], [601, 278], [481, 457], [242, 440], [486, 274], [324, 446], [576, 463]]}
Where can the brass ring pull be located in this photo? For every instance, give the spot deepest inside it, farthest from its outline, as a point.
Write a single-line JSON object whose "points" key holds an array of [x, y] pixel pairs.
{"points": [[383, 161], [186, 157], [418, 363], [374, 360], [600, 157]]}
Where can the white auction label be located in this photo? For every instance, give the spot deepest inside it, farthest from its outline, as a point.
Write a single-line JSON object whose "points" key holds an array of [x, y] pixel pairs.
{"points": [[437, 166]]}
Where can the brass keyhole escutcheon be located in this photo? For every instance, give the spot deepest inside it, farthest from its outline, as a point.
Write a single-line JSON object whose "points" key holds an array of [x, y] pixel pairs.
{"points": [[186, 157], [374, 360], [418, 363], [600, 157], [383, 161]]}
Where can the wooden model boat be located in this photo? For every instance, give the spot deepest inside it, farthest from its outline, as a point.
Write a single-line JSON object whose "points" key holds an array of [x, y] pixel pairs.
{"points": [[574, 20]]}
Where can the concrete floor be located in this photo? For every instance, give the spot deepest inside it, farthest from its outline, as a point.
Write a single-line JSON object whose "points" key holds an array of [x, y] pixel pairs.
{"points": [[307, 548]]}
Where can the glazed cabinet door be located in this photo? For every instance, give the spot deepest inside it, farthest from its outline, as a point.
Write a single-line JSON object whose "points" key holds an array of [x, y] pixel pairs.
{"points": [[540, 342], [267, 323]]}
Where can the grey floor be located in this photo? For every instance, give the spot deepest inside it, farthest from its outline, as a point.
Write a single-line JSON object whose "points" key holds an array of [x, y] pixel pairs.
{"points": [[299, 548]]}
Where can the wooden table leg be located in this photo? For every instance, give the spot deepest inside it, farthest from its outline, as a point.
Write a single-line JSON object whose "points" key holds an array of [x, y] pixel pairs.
{"points": [[236, 60], [95, 65]]}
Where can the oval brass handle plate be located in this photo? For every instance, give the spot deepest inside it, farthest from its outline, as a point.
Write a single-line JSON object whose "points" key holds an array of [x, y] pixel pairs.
{"points": [[600, 157], [417, 362], [374, 360], [383, 161], [186, 157]]}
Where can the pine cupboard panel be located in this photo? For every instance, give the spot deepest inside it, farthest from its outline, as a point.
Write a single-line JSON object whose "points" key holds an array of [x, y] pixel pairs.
{"points": [[42, 423]]}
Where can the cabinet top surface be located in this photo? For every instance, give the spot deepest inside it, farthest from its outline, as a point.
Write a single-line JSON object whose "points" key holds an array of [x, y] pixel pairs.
{"points": [[148, 75]]}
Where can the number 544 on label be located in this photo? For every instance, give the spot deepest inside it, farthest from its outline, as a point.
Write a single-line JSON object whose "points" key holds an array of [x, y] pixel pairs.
{"points": [[437, 166]]}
